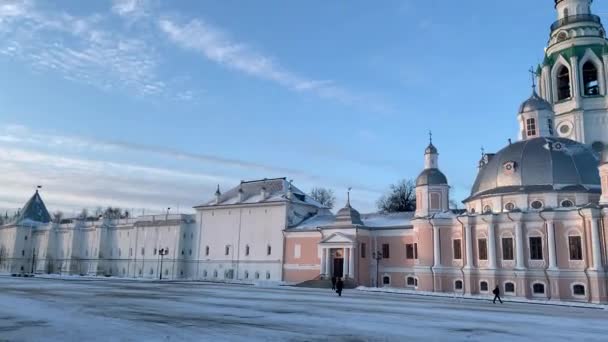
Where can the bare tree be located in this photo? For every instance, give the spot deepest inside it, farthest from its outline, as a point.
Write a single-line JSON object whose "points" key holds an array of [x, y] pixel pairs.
{"points": [[112, 213], [83, 214], [324, 196], [57, 217], [401, 197]]}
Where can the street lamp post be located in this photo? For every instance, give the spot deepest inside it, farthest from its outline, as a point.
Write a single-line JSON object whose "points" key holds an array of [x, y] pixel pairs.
{"points": [[377, 256], [162, 253]]}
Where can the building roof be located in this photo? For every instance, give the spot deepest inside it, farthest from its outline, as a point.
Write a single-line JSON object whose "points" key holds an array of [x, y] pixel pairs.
{"points": [[539, 164], [368, 221], [534, 103], [34, 212], [431, 177], [262, 191], [431, 149]]}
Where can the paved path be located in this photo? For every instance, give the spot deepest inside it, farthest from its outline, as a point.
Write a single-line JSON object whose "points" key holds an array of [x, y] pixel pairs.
{"points": [[118, 310]]}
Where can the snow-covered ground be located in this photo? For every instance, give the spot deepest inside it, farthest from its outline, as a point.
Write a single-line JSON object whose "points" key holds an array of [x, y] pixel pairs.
{"points": [[35, 309]]}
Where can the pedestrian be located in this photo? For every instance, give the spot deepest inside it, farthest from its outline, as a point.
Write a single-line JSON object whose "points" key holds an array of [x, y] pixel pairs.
{"points": [[496, 293], [333, 283], [339, 286]]}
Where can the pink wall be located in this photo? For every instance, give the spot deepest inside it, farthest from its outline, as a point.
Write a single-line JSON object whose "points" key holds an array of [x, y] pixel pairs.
{"points": [[308, 250]]}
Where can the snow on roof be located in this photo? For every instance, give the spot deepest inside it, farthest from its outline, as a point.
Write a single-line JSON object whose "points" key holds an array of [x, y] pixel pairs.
{"points": [[34, 212], [370, 221], [250, 192]]}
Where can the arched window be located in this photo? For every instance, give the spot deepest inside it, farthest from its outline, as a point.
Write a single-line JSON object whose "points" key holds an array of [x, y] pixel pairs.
{"points": [[386, 280], [563, 83], [530, 127], [509, 287], [487, 209], [591, 84], [538, 288], [483, 286], [458, 285], [578, 290], [411, 281]]}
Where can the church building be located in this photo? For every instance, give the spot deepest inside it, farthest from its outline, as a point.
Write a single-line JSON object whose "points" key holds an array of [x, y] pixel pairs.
{"points": [[534, 223]]}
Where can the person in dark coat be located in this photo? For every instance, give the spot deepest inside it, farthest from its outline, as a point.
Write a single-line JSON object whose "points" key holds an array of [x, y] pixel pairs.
{"points": [[496, 293], [339, 286], [333, 283]]}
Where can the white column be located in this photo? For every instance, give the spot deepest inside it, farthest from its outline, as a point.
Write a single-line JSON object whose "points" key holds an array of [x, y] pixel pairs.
{"points": [[323, 257], [344, 264], [469, 245], [328, 262], [519, 245], [551, 242], [491, 247], [575, 84], [595, 245], [351, 263], [436, 247]]}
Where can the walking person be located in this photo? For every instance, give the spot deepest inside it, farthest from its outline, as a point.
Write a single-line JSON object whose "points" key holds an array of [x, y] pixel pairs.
{"points": [[339, 286], [333, 283], [496, 293]]}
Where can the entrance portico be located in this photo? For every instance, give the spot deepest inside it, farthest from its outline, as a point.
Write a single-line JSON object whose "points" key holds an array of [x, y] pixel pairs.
{"points": [[337, 256]]}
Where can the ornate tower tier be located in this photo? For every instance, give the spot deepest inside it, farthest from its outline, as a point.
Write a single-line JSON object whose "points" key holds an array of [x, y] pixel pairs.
{"points": [[573, 76]]}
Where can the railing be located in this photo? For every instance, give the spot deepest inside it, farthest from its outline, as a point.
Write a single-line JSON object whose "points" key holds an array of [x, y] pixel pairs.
{"points": [[576, 19]]}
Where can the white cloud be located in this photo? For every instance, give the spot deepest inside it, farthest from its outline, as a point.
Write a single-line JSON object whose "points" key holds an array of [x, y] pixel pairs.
{"points": [[216, 46]]}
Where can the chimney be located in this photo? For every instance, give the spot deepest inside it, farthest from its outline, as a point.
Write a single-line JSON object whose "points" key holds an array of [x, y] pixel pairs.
{"points": [[264, 193], [241, 195]]}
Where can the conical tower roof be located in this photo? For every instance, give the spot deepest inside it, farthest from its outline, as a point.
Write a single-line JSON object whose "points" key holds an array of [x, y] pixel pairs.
{"points": [[34, 211]]}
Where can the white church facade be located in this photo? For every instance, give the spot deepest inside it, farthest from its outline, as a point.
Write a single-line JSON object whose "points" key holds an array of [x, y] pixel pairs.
{"points": [[534, 223]]}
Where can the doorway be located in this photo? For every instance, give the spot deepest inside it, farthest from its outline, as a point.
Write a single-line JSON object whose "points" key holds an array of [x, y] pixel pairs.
{"points": [[338, 267]]}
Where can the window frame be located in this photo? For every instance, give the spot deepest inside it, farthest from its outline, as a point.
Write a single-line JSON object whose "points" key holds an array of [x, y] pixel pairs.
{"points": [[457, 249], [578, 253], [482, 256], [536, 248], [531, 127], [507, 253], [386, 251]]}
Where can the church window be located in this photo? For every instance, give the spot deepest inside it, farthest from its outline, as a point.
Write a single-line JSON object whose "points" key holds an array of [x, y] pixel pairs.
{"points": [[509, 206], [267, 275], [411, 281], [575, 247], [563, 83], [435, 199], [458, 285], [268, 250], [578, 290], [483, 286], [536, 248], [386, 280], [386, 251], [590, 79], [507, 248], [536, 205], [206, 250], [482, 247], [565, 12], [410, 251], [509, 287], [487, 209], [297, 251], [227, 250], [457, 249], [363, 250], [530, 127], [246, 250], [567, 203], [538, 288]]}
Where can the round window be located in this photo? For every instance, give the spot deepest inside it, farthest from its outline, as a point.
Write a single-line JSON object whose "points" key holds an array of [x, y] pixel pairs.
{"points": [[487, 209], [509, 206], [537, 205], [567, 204], [564, 129]]}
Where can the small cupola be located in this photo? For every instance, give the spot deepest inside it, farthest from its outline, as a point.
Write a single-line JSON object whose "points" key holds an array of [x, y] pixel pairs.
{"points": [[536, 117]]}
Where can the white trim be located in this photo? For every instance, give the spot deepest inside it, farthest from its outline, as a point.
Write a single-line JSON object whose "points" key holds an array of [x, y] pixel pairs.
{"points": [[487, 283], [583, 296], [504, 283], [561, 61], [590, 56], [390, 280], [544, 295], [415, 286], [461, 283]]}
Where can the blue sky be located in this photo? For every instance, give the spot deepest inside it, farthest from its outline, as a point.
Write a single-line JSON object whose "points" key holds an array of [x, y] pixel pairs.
{"points": [[150, 103]]}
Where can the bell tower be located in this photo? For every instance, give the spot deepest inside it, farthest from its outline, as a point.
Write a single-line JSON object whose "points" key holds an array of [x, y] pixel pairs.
{"points": [[573, 76]]}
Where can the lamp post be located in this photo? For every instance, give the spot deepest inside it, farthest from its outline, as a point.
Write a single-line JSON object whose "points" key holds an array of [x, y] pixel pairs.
{"points": [[162, 253], [377, 256]]}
